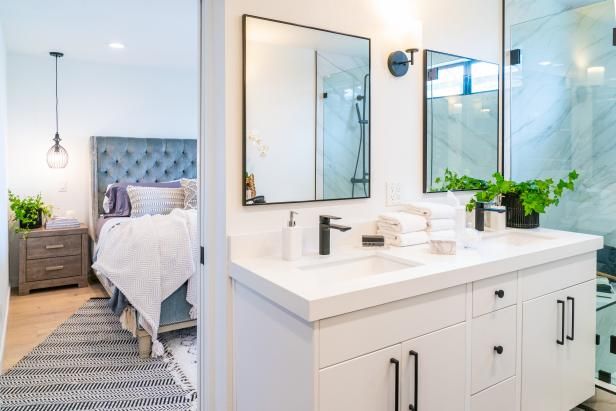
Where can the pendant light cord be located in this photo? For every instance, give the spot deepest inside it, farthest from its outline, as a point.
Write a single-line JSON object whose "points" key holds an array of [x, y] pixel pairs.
{"points": [[57, 127]]}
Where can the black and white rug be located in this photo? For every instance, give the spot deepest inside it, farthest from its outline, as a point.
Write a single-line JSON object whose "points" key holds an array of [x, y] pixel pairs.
{"points": [[90, 363]]}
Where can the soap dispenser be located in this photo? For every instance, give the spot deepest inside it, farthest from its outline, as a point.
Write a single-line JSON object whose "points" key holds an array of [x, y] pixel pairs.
{"points": [[291, 239]]}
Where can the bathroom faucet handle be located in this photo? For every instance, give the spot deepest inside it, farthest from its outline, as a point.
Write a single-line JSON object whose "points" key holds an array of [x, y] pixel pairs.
{"points": [[324, 219]]}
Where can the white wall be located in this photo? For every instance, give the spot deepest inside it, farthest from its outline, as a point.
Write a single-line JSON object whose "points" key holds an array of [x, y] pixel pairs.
{"points": [[4, 248], [470, 28], [280, 83], [95, 99]]}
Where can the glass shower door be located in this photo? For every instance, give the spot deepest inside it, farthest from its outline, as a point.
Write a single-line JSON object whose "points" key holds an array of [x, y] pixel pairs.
{"points": [[562, 108], [342, 128]]}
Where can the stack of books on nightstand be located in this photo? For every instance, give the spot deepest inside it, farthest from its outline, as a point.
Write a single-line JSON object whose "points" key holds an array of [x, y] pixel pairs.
{"points": [[62, 222]]}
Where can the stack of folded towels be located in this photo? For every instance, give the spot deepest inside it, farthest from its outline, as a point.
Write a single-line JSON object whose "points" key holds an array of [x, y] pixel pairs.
{"points": [[440, 218], [416, 223], [402, 229]]}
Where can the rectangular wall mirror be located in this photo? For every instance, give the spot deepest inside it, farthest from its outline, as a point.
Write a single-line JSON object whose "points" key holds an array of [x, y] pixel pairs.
{"points": [[306, 114], [460, 118]]}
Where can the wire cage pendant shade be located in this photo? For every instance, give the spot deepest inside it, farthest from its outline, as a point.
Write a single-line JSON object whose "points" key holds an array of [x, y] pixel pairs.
{"points": [[57, 156]]}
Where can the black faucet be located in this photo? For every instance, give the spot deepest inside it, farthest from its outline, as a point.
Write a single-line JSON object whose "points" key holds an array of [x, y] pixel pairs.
{"points": [[324, 226], [480, 210]]}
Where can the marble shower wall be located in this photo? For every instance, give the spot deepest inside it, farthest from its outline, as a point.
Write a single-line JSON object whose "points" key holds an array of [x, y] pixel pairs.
{"points": [[563, 110], [463, 135], [338, 130]]}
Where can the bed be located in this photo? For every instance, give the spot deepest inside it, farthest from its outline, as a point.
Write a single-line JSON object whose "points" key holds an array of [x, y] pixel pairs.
{"points": [[134, 160]]}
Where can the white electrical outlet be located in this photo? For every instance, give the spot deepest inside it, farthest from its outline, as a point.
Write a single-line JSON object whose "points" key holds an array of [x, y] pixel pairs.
{"points": [[394, 193]]}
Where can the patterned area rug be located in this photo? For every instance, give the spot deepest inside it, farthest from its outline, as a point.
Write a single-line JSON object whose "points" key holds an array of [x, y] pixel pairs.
{"points": [[90, 363]]}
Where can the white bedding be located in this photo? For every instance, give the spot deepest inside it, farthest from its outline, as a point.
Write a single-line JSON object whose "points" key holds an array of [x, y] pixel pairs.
{"points": [[149, 258]]}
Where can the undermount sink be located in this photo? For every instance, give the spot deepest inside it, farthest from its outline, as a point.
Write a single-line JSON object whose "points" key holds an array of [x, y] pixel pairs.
{"points": [[355, 268], [516, 238]]}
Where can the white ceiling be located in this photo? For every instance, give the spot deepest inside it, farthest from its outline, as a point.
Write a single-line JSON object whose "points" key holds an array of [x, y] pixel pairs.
{"points": [[161, 33]]}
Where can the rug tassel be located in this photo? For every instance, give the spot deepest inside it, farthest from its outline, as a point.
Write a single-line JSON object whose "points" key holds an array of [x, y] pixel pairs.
{"points": [[157, 349], [193, 313]]}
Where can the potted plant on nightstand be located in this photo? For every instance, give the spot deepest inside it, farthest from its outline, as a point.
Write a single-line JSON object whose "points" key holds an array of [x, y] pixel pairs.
{"points": [[28, 212], [525, 200]]}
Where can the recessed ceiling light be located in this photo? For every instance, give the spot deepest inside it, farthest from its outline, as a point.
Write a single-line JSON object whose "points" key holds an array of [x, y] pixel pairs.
{"points": [[116, 45]]}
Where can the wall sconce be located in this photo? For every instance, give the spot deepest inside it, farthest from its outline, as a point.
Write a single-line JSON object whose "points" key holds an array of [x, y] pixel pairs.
{"points": [[398, 62]]}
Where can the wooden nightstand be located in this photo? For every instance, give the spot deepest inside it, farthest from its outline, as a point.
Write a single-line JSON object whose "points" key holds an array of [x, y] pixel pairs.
{"points": [[50, 258]]}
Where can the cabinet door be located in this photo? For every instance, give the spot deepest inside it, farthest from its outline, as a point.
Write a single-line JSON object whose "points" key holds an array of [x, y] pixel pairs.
{"points": [[541, 354], [579, 362], [436, 362], [366, 383]]}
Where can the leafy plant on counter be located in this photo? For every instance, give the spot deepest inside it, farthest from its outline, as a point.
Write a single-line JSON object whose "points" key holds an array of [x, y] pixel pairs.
{"points": [[451, 181], [26, 211], [536, 195]]}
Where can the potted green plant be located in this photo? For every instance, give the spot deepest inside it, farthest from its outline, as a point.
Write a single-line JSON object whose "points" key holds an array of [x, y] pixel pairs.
{"points": [[451, 181], [525, 200], [28, 212]]}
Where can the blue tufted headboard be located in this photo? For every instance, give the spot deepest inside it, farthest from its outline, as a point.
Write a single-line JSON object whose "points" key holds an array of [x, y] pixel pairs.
{"points": [[131, 159]]}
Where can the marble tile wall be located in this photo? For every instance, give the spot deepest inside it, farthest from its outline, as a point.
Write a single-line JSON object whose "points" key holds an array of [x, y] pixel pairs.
{"points": [[563, 111], [339, 127], [463, 135]]}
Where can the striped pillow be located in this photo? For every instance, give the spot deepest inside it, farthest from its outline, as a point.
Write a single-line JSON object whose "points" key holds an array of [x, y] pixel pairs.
{"points": [[154, 200], [191, 193]]}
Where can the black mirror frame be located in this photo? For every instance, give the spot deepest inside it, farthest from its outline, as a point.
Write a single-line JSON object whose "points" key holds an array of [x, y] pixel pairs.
{"points": [[244, 109]]}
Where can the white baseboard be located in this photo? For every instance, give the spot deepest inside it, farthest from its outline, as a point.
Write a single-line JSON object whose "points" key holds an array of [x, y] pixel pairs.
{"points": [[3, 325]]}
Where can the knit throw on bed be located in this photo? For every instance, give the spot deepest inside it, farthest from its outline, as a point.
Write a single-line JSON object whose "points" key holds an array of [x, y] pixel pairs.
{"points": [[150, 257]]}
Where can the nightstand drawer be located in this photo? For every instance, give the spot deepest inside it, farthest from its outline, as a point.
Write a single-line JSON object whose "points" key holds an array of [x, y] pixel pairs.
{"points": [[51, 268], [56, 246]]}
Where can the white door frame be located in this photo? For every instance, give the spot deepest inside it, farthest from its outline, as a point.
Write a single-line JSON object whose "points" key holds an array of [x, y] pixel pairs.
{"points": [[214, 332]]}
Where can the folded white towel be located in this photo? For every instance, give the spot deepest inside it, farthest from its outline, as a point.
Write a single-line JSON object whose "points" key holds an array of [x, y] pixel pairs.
{"points": [[441, 224], [430, 210], [403, 222], [405, 240]]}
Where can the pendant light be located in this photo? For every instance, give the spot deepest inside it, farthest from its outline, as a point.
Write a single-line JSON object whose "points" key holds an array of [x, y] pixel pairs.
{"points": [[57, 156]]}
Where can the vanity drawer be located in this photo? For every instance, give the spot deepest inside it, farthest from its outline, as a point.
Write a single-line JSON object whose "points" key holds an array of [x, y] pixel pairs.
{"points": [[354, 334], [495, 293], [500, 397], [56, 246], [551, 277], [52, 268], [490, 332]]}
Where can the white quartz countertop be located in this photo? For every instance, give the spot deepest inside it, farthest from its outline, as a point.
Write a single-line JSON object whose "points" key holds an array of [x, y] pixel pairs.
{"points": [[314, 295]]}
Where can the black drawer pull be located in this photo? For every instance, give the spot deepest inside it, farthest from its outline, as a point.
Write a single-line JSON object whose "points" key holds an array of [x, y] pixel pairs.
{"points": [[397, 388], [499, 293], [562, 325], [572, 336], [498, 349], [413, 407]]}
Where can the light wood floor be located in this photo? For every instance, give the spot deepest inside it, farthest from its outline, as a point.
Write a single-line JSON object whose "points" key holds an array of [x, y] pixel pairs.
{"points": [[33, 317]]}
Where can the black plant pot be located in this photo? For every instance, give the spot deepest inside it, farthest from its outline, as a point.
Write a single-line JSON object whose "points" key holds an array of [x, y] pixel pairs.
{"points": [[32, 226], [515, 213]]}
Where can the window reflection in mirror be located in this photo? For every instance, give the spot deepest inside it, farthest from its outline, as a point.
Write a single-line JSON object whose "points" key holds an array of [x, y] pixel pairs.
{"points": [[307, 114], [460, 118]]}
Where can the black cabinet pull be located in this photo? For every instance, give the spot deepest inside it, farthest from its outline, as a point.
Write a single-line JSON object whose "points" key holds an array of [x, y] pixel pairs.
{"points": [[499, 293], [572, 337], [499, 349], [413, 406], [562, 325], [397, 390]]}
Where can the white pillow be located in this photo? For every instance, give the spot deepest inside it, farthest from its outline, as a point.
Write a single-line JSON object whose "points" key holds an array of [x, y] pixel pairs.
{"points": [[154, 200], [191, 193]]}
